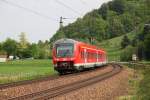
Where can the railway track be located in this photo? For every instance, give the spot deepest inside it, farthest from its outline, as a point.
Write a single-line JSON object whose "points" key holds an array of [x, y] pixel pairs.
{"points": [[53, 77], [60, 90]]}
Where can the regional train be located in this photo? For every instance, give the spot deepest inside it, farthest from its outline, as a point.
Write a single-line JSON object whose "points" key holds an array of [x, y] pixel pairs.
{"points": [[70, 55]]}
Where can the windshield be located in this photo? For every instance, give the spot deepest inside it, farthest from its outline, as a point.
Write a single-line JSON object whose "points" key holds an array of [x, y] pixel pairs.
{"points": [[64, 50]]}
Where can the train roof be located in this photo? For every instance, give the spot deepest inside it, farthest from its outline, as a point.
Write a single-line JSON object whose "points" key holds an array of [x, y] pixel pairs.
{"points": [[66, 40]]}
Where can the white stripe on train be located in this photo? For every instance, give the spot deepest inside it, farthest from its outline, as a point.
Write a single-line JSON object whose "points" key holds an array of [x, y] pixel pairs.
{"points": [[88, 65]]}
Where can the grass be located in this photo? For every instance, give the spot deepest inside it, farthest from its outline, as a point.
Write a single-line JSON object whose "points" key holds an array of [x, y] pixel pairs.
{"points": [[145, 62], [144, 86], [13, 71], [113, 47], [139, 83]]}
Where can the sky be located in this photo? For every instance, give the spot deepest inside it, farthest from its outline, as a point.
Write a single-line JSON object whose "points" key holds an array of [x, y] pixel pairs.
{"points": [[39, 19]]}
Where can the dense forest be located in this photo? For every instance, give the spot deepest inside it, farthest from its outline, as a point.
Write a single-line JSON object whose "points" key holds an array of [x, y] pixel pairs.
{"points": [[112, 19]]}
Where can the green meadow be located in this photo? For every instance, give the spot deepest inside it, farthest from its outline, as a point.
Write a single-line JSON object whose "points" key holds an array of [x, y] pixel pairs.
{"points": [[13, 71], [113, 46]]}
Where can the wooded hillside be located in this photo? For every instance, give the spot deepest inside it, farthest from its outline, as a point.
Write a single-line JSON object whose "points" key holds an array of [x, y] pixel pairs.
{"points": [[110, 20]]}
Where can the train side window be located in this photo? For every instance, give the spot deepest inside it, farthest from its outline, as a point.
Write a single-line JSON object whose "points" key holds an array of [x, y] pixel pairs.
{"points": [[82, 54], [99, 56], [95, 56], [88, 55], [85, 54], [91, 55]]}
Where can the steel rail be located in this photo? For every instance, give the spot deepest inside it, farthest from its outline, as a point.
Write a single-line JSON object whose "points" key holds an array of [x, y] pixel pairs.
{"points": [[60, 90], [42, 79]]}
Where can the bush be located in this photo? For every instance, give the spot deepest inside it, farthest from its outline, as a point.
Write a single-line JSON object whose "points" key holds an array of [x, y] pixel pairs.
{"points": [[126, 54], [125, 42], [24, 53]]}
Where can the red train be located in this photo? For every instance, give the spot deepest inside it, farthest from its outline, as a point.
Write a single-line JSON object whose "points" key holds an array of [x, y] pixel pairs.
{"points": [[70, 55]]}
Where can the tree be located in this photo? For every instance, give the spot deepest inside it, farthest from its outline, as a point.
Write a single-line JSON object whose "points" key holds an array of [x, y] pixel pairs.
{"points": [[146, 29], [134, 42], [23, 47], [44, 50], [128, 22], [61, 34], [147, 46], [34, 50], [140, 50], [126, 54], [10, 46], [26, 53], [2, 52], [0, 46], [23, 41], [40, 43], [125, 42], [103, 11], [115, 27], [118, 6]]}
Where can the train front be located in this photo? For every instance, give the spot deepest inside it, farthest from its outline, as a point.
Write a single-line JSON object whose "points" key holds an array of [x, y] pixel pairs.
{"points": [[63, 55]]}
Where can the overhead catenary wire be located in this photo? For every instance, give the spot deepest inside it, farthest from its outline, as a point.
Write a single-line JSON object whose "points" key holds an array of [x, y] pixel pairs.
{"points": [[29, 10], [68, 7], [70, 18]]}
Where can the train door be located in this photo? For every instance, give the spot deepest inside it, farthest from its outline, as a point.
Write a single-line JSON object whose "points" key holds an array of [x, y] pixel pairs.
{"points": [[97, 56], [85, 56]]}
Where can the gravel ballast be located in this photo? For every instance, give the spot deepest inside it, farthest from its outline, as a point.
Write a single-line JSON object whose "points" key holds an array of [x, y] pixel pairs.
{"points": [[109, 89], [35, 87]]}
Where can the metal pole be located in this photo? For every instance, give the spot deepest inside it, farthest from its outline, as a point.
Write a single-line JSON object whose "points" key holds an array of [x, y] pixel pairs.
{"points": [[61, 22]]}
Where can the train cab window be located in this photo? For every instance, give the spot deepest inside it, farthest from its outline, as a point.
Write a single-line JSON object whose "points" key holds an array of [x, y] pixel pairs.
{"points": [[64, 50]]}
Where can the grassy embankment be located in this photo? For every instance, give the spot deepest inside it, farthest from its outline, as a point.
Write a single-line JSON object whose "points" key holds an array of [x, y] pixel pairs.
{"points": [[12, 71], [113, 47], [140, 86], [143, 91], [139, 83]]}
